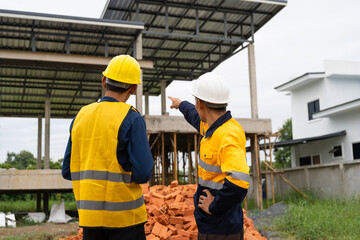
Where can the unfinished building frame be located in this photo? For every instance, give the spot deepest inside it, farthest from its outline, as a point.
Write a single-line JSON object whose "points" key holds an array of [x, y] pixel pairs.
{"points": [[51, 65]]}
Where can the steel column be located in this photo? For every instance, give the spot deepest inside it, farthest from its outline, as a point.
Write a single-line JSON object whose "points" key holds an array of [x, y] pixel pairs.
{"points": [[47, 133]]}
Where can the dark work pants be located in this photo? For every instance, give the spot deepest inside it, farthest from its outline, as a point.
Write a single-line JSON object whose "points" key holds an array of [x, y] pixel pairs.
{"points": [[237, 236], [133, 233]]}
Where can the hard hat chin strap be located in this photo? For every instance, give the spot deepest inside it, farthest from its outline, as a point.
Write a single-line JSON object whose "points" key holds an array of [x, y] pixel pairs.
{"points": [[118, 84]]}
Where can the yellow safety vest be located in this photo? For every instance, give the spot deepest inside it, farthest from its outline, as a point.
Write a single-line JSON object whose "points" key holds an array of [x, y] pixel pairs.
{"points": [[104, 192], [223, 155]]}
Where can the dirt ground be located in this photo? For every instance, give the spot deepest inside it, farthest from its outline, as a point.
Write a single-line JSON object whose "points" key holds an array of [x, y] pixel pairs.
{"points": [[45, 231]]}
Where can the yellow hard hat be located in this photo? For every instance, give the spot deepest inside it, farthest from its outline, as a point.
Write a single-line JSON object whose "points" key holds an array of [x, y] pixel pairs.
{"points": [[123, 68]]}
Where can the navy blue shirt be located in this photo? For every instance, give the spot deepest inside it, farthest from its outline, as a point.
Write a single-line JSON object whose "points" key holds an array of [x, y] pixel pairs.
{"points": [[226, 207], [133, 151]]}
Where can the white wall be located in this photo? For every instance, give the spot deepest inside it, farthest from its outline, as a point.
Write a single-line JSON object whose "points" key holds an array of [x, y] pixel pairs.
{"points": [[300, 98], [341, 89]]}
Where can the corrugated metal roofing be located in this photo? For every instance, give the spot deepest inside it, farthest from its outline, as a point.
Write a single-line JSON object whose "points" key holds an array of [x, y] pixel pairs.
{"points": [[183, 38]]}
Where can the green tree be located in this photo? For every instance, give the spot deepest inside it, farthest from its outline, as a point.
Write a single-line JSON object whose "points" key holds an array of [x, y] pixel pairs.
{"points": [[283, 154], [26, 160], [21, 160]]}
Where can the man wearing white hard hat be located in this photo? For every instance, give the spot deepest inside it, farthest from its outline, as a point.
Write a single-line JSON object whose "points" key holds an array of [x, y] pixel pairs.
{"points": [[223, 171]]}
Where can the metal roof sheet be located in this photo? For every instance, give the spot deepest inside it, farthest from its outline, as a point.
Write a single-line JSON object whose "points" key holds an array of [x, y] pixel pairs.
{"points": [[183, 38]]}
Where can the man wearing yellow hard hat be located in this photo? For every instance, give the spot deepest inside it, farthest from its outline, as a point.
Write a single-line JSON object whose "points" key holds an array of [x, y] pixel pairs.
{"points": [[108, 156], [223, 171]]}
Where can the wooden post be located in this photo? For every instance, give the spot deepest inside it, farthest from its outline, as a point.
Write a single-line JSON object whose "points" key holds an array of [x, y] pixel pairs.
{"points": [[271, 174], [158, 164], [196, 158], [175, 158], [190, 161], [266, 175], [46, 202], [38, 202], [163, 158], [288, 182], [256, 171]]}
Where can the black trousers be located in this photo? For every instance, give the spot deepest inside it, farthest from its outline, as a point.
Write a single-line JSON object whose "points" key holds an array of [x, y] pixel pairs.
{"points": [[133, 233], [237, 236]]}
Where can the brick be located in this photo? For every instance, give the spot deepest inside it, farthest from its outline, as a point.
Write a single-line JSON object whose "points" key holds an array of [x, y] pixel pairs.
{"points": [[178, 237], [176, 220], [188, 219], [145, 187], [167, 235], [163, 219], [156, 229], [184, 233], [179, 226], [178, 198], [172, 228], [157, 195], [155, 212]]}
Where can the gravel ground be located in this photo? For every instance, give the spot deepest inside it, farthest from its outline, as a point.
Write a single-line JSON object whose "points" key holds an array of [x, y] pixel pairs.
{"points": [[265, 218]]}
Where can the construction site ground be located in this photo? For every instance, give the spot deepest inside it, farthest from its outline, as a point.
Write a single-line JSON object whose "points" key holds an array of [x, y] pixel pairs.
{"points": [[54, 231]]}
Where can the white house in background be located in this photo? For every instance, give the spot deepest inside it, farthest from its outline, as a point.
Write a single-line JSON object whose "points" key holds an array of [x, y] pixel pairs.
{"points": [[325, 114]]}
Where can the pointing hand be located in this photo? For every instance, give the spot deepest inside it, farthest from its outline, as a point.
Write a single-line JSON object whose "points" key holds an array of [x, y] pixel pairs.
{"points": [[175, 102]]}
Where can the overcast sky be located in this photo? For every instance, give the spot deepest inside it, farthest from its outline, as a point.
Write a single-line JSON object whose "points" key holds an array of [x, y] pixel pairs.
{"points": [[297, 40]]}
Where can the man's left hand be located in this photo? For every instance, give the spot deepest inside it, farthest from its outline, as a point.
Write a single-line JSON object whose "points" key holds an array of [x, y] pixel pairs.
{"points": [[205, 201]]}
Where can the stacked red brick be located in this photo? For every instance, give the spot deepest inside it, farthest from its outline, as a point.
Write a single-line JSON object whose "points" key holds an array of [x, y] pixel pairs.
{"points": [[170, 214]]}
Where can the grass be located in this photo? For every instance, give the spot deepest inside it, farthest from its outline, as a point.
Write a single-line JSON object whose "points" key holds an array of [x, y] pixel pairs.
{"points": [[321, 220], [30, 205], [41, 236]]}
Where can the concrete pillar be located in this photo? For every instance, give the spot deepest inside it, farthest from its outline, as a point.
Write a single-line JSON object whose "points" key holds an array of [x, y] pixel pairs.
{"points": [[147, 103], [139, 91], [38, 163], [163, 97], [47, 133], [252, 79]]}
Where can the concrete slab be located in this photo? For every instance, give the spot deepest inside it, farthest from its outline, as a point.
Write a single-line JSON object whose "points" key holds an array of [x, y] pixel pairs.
{"points": [[33, 180], [178, 124]]}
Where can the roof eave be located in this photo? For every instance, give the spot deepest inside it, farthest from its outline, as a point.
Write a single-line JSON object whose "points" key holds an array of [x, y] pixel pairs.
{"points": [[300, 81], [345, 107]]}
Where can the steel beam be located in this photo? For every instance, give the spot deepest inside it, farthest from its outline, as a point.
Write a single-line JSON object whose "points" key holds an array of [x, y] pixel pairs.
{"points": [[70, 59]]}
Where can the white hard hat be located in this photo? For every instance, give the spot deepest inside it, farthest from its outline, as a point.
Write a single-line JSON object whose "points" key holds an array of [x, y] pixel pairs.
{"points": [[211, 87]]}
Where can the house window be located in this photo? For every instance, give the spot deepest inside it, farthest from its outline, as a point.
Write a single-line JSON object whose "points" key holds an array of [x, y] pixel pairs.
{"points": [[337, 151], [316, 159], [313, 107], [305, 161], [356, 150]]}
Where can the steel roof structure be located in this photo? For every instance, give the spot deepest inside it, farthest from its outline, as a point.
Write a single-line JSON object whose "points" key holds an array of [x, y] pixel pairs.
{"points": [[61, 57]]}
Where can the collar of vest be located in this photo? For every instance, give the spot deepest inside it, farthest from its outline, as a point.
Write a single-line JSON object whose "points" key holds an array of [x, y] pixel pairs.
{"points": [[107, 99], [220, 121]]}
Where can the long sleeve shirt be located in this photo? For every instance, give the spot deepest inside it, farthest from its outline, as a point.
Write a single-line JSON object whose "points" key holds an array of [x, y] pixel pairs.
{"points": [[226, 211]]}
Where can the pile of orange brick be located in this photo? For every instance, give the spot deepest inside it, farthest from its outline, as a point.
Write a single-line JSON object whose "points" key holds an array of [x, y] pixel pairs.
{"points": [[170, 214], [79, 236]]}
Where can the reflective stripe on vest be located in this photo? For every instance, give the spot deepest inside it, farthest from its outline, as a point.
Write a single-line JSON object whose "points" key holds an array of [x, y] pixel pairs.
{"points": [[101, 175], [217, 169], [210, 184], [110, 206]]}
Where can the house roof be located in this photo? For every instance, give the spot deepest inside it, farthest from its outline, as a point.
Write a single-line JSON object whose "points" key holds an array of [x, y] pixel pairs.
{"points": [[183, 39], [292, 142], [338, 109], [300, 81]]}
